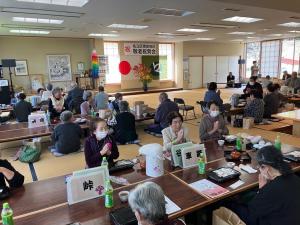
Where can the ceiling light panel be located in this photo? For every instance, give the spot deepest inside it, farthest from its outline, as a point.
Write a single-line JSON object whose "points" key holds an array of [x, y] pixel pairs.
{"points": [[36, 20], [242, 33], [209, 25], [290, 24], [193, 30], [240, 19], [19, 31], [127, 26], [295, 31], [75, 3], [205, 39], [173, 34], [103, 35], [168, 12], [275, 35], [237, 40]]}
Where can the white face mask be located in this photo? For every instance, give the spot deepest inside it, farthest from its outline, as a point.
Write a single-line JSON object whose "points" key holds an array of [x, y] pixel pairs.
{"points": [[101, 134], [214, 113], [251, 83]]}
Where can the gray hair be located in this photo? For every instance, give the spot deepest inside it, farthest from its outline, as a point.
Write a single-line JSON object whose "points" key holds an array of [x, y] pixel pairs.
{"points": [[124, 106], [65, 116], [163, 96], [49, 87], [56, 90], [87, 95], [149, 200], [73, 84]]}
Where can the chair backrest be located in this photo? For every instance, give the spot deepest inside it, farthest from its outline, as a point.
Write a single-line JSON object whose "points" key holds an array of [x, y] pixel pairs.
{"points": [[179, 101]]}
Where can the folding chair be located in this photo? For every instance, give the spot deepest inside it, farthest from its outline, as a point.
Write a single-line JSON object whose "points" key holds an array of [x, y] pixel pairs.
{"points": [[185, 108]]}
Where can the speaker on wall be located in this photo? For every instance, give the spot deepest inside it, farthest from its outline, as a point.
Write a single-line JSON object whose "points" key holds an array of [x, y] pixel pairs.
{"points": [[241, 61], [8, 63]]}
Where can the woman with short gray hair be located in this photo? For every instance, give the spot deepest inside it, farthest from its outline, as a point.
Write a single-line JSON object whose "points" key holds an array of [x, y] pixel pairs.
{"points": [[125, 132], [147, 201], [87, 105]]}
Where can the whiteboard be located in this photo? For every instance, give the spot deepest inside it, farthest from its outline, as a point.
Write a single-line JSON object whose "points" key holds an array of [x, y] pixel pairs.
{"points": [[209, 69], [195, 71]]}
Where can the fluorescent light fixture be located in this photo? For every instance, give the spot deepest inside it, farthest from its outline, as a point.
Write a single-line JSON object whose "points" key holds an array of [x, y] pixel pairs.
{"points": [[103, 35], [172, 34], [193, 30], [290, 24], [36, 20], [30, 31], [210, 25], [251, 37], [205, 39], [166, 36], [275, 35], [127, 26], [237, 40], [242, 33], [168, 12], [240, 19], [163, 33], [75, 3], [295, 31]]}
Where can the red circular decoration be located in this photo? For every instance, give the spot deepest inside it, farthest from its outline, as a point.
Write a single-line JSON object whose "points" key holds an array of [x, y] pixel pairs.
{"points": [[124, 67]]}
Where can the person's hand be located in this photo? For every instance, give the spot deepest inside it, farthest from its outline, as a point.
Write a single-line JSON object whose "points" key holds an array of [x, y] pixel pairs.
{"points": [[216, 125], [218, 92], [58, 108], [262, 181], [180, 135], [105, 150]]}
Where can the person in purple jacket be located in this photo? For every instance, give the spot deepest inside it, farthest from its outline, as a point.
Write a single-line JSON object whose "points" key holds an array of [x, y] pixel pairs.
{"points": [[100, 144]]}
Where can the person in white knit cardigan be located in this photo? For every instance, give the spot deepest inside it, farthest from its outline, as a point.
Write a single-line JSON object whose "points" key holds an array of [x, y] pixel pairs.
{"points": [[175, 133]]}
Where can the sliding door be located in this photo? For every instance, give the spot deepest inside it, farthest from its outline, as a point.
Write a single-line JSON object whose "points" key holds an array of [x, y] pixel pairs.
{"points": [[209, 69], [195, 70]]}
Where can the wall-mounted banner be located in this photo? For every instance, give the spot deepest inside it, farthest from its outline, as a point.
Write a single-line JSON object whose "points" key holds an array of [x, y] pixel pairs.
{"points": [[136, 48]]}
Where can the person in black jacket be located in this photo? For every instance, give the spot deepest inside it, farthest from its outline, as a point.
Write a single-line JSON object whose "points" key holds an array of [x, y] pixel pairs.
{"points": [[272, 102], [230, 80], [66, 135], [114, 105], [57, 103], [10, 175], [125, 128], [278, 200], [22, 109], [253, 85], [75, 98]]}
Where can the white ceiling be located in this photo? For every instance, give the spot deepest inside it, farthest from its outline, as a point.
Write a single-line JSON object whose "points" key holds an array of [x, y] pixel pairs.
{"points": [[98, 14]]}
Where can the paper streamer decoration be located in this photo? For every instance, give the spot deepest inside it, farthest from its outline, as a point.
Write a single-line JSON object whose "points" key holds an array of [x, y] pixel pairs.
{"points": [[124, 67], [95, 64]]}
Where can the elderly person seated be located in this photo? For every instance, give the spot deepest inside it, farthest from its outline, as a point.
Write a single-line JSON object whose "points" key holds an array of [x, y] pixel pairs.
{"points": [[161, 115], [254, 107], [293, 82], [253, 85], [114, 105], [87, 105], [100, 144], [74, 98], [66, 135], [57, 103], [267, 81], [124, 129], [22, 109], [272, 102], [230, 80], [277, 201], [285, 75], [212, 125], [147, 201], [213, 95], [175, 133]]}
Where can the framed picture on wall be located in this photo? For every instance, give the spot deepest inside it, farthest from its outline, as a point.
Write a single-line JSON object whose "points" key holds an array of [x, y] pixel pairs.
{"points": [[59, 67], [21, 68]]}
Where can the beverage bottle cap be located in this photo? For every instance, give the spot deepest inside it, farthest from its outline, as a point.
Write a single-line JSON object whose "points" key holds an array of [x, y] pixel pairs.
{"points": [[5, 205]]}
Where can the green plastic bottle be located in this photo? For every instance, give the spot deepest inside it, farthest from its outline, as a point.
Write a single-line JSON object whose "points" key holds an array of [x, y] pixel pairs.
{"points": [[201, 164], [277, 143], [108, 197], [104, 162], [7, 215], [238, 144]]}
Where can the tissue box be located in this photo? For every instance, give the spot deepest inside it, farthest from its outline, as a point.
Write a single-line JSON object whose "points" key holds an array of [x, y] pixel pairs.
{"points": [[37, 120]]}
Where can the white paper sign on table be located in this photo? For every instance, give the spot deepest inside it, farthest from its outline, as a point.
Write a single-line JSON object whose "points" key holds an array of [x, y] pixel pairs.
{"points": [[171, 207]]}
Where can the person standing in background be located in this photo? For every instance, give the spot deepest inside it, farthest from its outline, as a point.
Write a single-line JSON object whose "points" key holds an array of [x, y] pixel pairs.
{"points": [[101, 99], [254, 69]]}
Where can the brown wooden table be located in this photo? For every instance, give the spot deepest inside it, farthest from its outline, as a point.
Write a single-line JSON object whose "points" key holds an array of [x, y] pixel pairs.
{"points": [[291, 115], [150, 115]]}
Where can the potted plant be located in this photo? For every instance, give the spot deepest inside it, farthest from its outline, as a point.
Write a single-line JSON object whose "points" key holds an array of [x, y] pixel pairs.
{"points": [[143, 72]]}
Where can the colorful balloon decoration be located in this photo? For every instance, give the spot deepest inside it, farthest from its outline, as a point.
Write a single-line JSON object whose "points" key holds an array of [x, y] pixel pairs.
{"points": [[124, 67], [95, 64]]}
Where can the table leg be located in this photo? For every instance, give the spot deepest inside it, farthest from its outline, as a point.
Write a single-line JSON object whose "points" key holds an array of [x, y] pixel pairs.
{"points": [[296, 128]]}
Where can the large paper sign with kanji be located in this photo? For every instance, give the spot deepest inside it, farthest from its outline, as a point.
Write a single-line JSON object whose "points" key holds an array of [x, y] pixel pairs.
{"points": [[136, 48], [86, 184], [176, 153]]}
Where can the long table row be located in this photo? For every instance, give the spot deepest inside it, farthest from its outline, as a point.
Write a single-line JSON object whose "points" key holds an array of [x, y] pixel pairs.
{"points": [[45, 202]]}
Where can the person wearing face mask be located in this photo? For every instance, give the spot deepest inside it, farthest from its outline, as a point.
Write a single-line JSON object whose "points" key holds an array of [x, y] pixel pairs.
{"points": [[254, 107], [212, 125], [175, 133], [277, 201], [100, 144], [114, 105], [253, 85]]}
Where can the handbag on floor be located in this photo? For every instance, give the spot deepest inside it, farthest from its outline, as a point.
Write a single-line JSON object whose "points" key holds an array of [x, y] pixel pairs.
{"points": [[29, 153], [224, 216]]}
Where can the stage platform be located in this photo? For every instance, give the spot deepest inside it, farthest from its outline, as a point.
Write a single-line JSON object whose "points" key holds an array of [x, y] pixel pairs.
{"points": [[139, 91]]}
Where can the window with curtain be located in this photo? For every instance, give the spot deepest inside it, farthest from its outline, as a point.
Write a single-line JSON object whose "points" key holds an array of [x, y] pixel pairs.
{"points": [[252, 54], [166, 61], [269, 62], [111, 49], [287, 55], [297, 55]]}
